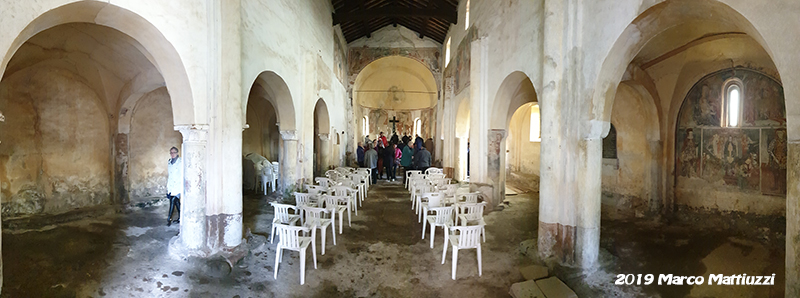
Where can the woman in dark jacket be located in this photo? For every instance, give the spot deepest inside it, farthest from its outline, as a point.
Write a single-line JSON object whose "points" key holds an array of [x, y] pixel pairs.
{"points": [[388, 162]]}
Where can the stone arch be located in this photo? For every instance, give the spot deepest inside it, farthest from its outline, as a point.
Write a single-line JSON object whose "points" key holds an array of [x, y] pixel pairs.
{"points": [[271, 86], [648, 25], [155, 46], [515, 91], [321, 115]]}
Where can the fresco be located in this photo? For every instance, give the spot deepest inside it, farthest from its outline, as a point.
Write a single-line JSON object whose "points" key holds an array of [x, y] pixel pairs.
{"points": [[339, 58], [731, 156], [773, 161], [751, 157], [379, 121], [359, 57], [462, 61], [493, 157]]}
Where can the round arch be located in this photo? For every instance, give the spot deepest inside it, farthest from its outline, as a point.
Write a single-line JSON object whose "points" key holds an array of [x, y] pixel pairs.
{"points": [[155, 46], [272, 87], [647, 26], [409, 83], [321, 115], [515, 91]]}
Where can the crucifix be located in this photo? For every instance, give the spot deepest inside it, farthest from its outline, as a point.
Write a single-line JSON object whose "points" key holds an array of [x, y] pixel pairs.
{"points": [[394, 121]]}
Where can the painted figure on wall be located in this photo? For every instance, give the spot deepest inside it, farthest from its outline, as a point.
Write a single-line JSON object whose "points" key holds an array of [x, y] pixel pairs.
{"points": [[773, 164], [707, 112], [750, 158], [689, 155]]}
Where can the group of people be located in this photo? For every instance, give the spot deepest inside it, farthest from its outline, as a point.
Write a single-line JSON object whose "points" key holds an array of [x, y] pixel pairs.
{"points": [[386, 156]]}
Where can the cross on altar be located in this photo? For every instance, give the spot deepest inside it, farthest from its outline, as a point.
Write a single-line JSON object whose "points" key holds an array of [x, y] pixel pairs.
{"points": [[394, 121]]}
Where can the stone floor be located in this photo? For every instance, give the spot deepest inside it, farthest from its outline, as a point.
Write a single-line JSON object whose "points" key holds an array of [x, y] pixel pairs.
{"points": [[102, 253]]}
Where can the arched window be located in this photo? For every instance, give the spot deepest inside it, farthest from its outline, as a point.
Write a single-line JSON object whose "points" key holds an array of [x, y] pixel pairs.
{"points": [[536, 124], [466, 17], [447, 53], [365, 128], [733, 103], [610, 144], [418, 127]]}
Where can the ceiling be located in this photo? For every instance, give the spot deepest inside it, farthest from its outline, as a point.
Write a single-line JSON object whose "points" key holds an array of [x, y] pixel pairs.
{"points": [[429, 18]]}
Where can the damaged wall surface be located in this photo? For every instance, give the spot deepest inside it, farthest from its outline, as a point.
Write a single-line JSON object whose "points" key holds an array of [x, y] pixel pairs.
{"points": [[151, 137]]}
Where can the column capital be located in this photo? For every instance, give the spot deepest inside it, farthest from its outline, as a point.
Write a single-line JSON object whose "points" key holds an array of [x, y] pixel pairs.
{"points": [[193, 132], [289, 135], [324, 136]]}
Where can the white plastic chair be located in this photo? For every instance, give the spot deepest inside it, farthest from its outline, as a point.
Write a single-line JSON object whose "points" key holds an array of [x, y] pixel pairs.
{"points": [[427, 200], [467, 237], [315, 219], [302, 200], [282, 216], [289, 238], [471, 214], [316, 191], [433, 170], [276, 171], [339, 204], [471, 197], [346, 190], [418, 189], [360, 182], [443, 217], [409, 174], [324, 182]]}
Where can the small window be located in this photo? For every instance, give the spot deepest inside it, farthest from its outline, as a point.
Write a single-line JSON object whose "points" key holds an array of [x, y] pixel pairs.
{"points": [[418, 127], [536, 124], [610, 144], [365, 128], [447, 53], [733, 103], [466, 17]]}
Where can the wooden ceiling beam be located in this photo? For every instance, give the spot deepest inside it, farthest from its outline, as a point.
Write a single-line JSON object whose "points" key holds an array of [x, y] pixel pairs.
{"points": [[447, 15]]}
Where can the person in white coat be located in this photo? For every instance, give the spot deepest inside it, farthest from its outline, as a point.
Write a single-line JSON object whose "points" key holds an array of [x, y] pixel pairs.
{"points": [[174, 184]]}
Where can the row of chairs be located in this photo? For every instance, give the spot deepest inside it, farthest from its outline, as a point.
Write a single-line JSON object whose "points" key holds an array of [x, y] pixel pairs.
{"points": [[460, 215], [317, 209]]}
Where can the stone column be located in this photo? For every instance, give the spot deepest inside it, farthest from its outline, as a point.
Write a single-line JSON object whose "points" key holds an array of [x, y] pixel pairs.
{"points": [[793, 220], [289, 159], [121, 157], [192, 238], [496, 160], [324, 152], [571, 148]]}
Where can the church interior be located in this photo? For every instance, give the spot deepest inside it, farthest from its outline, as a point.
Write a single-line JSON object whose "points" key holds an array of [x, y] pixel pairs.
{"points": [[550, 148]]}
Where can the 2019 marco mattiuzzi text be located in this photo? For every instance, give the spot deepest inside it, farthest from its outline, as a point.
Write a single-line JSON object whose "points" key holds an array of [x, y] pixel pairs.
{"points": [[713, 279]]}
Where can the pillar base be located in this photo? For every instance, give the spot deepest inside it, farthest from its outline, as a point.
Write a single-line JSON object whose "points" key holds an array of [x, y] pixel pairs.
{"points": [[569, 245], [180, 251]]}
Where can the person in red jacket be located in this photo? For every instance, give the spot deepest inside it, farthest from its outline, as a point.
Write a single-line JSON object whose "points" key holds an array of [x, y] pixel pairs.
{"points": [[383, 139]]}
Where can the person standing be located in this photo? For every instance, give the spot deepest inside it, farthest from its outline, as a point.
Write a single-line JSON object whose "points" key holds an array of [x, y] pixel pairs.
{"points": [[405, 160], [174, 184], [371, 161], [360, 155], [388, 162], [422, 159], [382, 138]]}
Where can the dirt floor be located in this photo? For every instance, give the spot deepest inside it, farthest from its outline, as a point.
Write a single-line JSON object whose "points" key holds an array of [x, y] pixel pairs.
{"points": [[124, 254]]}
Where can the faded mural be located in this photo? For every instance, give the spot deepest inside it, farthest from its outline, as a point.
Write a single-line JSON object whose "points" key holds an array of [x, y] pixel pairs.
{"points": [[339, 58], [750, 158], [459, 69], [381, 120], [359, 57]]}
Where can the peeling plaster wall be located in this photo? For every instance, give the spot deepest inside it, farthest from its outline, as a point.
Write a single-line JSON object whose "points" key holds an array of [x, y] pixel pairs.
{"points": [[626, 182], [152, 135], [55, 149]]}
